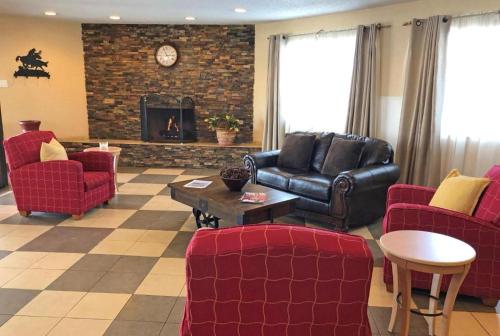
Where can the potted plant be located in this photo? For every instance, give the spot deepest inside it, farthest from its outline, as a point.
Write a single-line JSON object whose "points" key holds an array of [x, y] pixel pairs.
{"points": [[226, 126]]}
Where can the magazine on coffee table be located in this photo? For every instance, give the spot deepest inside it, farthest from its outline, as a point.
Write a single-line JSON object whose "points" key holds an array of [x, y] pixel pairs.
{"points": [[198, 184], [254, 198]]}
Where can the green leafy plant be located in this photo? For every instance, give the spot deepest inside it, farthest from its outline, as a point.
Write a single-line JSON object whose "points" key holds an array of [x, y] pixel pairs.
{"points": [[225, 121]]}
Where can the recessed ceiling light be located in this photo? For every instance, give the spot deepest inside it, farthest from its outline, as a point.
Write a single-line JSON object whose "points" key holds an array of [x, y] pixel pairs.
{"points": [[50, 13], [240, 10], [114, 17], [190, 18]]}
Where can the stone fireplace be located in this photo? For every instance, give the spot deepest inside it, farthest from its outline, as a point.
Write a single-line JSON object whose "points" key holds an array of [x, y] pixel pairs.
{"points": [[167, 119]]}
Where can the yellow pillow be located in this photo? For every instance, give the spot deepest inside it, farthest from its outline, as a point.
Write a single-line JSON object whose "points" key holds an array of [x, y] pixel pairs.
{"points": [[52, 151], [459, 193]]}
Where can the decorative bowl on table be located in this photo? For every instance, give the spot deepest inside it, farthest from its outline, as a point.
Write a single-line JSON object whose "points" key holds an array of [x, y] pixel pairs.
{"points": [[235, 178]]}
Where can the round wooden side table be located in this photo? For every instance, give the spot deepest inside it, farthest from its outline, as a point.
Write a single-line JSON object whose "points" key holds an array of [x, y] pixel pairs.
{"points": [[116, 155], [426, 252]]}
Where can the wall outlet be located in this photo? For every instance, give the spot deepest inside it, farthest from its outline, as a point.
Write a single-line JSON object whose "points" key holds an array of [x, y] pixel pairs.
{"points": [[3, 83]]}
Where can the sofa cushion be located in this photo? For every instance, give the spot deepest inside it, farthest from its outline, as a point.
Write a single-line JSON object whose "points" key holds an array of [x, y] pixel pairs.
{"points": [[488, 208], [93, 179], [276, 177], [343, 155], [314, 185], [297, 151], [321, 146]]}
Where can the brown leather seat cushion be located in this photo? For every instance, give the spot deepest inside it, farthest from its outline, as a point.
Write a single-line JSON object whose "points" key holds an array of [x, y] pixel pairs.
{"points": [[276, 177], [313, 185]]}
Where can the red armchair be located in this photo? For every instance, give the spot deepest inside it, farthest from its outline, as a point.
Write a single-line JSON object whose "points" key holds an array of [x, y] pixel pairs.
{"points": [[276, 280], [70, 187], [408, 209]]}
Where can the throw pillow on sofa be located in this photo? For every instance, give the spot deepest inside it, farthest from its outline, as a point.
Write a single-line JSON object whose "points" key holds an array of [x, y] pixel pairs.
{"points": [[321, 146], [52, 151], [459, 193], [343, 155], [297, 151]]}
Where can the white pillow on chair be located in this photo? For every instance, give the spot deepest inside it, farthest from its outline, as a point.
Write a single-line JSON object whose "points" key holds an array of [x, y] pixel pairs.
{"points": [[52, 151]]}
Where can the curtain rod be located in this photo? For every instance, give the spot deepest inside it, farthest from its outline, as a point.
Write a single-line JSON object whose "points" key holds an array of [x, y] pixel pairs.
{"points": [[409, 23], [322, 31]]}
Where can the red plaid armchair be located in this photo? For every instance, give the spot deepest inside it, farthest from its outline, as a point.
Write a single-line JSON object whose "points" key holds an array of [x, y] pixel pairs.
{"points": [[70, 187], [277, 280], [408, 209]]}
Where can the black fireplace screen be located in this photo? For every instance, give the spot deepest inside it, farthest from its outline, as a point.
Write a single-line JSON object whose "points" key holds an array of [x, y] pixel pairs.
{"points": [[167, 119]]}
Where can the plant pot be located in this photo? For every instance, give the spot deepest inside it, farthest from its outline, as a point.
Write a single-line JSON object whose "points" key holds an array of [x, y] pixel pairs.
{"points": [[225, 137], [29, 125]]}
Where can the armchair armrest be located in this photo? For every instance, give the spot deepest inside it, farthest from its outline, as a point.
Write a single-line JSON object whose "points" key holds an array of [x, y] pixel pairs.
{"points": [[367, 178], [405, 216], [94, 161], [255, 161], [407, 193], [64, 178]]}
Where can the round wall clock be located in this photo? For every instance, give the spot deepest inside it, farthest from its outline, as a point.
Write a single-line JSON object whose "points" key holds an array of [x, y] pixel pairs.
{"points": [[166, 55]]}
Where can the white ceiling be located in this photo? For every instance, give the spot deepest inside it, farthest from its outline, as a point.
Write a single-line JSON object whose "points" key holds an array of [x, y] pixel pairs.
{"points": [[174, 11]]}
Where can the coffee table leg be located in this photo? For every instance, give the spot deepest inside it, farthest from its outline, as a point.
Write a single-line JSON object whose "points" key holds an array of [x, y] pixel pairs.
{"points": [[449, 302], [197, 214], [435, 289], [395, 292], [404, 277]]}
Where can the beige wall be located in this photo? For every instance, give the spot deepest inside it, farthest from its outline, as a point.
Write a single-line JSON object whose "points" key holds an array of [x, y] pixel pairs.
{"points": [[394, 42], [59, 102]]}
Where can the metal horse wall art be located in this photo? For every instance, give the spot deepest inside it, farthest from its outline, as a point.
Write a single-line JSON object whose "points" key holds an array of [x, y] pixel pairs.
{"points": [[32, 65]]}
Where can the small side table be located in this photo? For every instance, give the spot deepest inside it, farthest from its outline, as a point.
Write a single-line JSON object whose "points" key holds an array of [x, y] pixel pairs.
{"points": [[426, 252], [116, 155]]}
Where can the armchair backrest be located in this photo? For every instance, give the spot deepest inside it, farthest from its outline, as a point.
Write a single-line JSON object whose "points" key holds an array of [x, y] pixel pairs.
{"points": [[489, 205], [277, 280], [24, 148]]}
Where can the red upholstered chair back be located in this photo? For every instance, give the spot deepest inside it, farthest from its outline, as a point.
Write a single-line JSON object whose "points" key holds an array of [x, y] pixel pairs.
{"points": [[489, 205], [25, 148], [277, 280]]}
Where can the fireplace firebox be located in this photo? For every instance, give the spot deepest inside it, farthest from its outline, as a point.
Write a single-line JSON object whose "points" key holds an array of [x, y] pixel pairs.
{"points": [[166, 118]]}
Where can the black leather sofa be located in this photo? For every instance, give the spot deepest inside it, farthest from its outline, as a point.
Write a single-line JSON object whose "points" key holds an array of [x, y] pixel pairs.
{"points": [[352, 198]]}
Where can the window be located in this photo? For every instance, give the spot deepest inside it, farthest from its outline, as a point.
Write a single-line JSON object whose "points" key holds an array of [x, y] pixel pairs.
{"points": [[315, 79], [470, 136], [471, 106]]}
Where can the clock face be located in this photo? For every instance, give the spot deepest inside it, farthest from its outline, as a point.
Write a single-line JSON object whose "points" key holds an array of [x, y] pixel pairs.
{"points": [[166, 55]]}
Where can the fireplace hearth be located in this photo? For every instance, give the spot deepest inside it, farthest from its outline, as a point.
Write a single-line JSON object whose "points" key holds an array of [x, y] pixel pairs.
{"points": [[165, 118]]}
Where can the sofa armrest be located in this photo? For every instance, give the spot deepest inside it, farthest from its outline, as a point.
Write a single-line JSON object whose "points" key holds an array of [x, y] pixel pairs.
{"points": [[366, 178], [94, 161], [256, 161], [407, 193]]}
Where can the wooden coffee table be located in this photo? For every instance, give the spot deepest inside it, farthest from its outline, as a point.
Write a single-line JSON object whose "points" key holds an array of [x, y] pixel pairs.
{"points": [[427, 252], [216, 202]]}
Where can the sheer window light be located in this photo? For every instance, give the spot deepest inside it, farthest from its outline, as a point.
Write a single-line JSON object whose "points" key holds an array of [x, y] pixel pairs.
{"points": [[315, 81]]}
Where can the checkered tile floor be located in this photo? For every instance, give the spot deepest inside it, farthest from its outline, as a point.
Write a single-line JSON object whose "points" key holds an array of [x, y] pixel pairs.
{"points": [[120, 270]]}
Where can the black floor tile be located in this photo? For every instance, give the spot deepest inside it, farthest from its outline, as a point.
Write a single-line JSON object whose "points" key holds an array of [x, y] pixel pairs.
{"points": [[133, 328], [131, 170], [3, 254], [147, 308], [4, 318], [134, 264], [177, 312], [201, 171], [382, 315], [36, 218], [128, 201], [153, 178], [177, 248], [463, 302], [95, 262], [165, 191], [67, 239], [378, 255], [12, 300], [170, 329], [156, 220], [113, 282], [7, 199], [79, 281], [376, 228]]}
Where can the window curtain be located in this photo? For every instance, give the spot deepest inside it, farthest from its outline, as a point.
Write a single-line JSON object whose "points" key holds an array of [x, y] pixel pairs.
{"points": [[470, 132], [274, 129], [315, 80], [361, 115], [418, 149]]}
